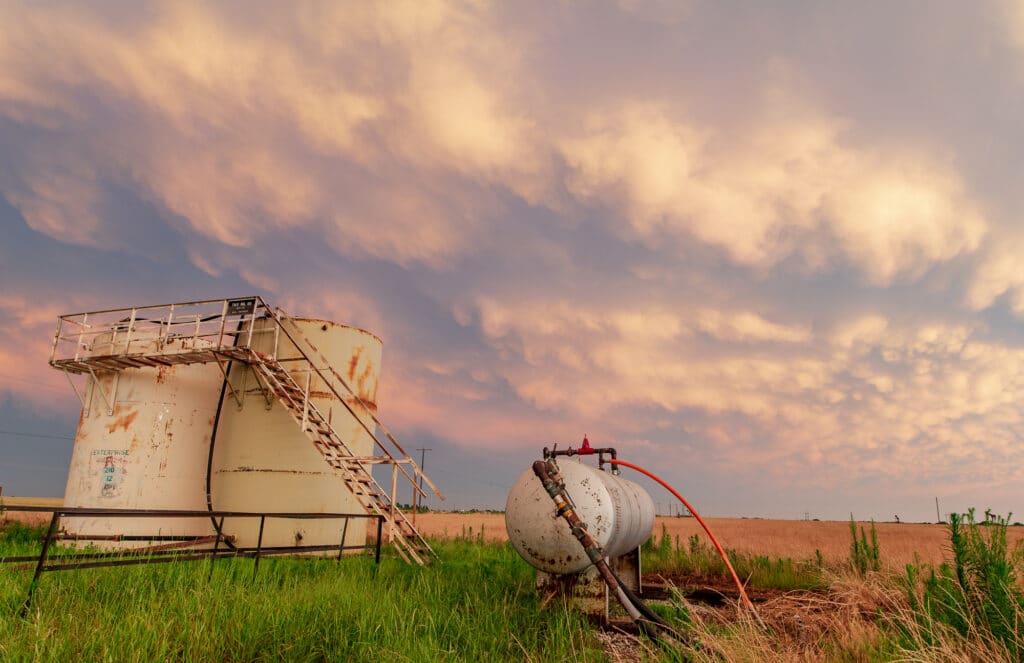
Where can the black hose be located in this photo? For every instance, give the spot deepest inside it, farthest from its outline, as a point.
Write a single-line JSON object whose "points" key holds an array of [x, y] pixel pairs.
{"points": [[213, 440], [642, 607]]}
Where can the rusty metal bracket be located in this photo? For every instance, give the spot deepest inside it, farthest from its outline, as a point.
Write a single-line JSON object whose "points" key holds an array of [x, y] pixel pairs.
{"points": [[113, 392], [224, 371], [81, 397]]}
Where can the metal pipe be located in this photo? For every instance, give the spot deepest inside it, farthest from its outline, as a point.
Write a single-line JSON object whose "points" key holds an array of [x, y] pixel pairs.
{"points": [[547, 472]]}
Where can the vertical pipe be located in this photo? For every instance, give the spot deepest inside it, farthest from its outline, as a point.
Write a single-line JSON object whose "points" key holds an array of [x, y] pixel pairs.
{"points": [[42, 561]]}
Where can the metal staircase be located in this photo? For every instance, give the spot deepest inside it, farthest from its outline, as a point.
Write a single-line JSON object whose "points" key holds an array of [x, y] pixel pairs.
{"points": [[229, 330]]}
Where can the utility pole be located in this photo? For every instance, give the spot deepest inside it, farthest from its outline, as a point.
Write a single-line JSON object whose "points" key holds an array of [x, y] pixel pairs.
{"points": [[938, 516], [416, 493]]}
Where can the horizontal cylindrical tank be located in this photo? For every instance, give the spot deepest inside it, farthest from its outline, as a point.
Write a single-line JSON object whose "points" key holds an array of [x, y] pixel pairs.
{"points": [[264, 462], [618, 513], [150, 451]]}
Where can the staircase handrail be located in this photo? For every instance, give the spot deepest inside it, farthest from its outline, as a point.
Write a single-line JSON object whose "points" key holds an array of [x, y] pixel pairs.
{"points": [[417, 472]]}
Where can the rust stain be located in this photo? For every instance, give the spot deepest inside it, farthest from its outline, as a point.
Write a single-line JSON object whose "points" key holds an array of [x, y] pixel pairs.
{"points": [[122, 421], [365, 392], [161, 374], [353, 363]]}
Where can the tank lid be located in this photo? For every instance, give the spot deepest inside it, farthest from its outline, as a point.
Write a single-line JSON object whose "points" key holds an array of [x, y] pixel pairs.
{"points": [[337, 324]]}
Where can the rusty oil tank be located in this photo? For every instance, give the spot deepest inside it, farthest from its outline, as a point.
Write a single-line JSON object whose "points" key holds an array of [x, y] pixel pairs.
{"points": [[262, 461], [150, 451]]}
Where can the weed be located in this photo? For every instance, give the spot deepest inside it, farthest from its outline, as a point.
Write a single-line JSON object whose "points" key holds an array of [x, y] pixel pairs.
{"points": [[977, 596], [864, 554], [698, 558]]}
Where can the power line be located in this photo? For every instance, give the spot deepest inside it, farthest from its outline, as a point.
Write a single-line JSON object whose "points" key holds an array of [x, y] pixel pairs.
{"points": [[17, 433]]}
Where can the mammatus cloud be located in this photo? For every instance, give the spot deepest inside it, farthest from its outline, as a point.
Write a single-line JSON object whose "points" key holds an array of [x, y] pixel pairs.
{"points": [[870, 397], [424, 139], [783, 188]]}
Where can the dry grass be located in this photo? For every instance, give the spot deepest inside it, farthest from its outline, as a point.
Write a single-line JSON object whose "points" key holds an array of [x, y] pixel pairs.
{"points": [[29, 518], [795, 539], [900, 544]]}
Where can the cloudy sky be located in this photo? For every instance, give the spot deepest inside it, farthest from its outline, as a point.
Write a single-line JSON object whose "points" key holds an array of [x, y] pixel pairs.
{"points": [[770, 250]]}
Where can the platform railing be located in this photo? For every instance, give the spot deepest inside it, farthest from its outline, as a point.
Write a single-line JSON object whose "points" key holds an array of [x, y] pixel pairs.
{"points": [[217, 325], [171, 548]]}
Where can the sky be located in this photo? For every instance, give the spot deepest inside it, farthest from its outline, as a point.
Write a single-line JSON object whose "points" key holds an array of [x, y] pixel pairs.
{"points": [[768, 250]]}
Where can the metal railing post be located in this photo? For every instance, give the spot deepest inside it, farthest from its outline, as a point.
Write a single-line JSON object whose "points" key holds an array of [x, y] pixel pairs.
{"points": [[81, 332], [170, 318], [223, 322], [131, 328], [56, 338], [344, 535], [259, 547], [305, 400], [394, 489], [42, 561], [216, 545], [380, 526]]}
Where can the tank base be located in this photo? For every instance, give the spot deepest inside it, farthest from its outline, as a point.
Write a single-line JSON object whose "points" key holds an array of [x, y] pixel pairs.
{"points": [[586, 590]]}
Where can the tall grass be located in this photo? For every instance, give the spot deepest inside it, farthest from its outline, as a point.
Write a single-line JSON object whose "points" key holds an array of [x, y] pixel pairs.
{"points": [[475, 603], [864, 554], [695, 557], [976, 598]]}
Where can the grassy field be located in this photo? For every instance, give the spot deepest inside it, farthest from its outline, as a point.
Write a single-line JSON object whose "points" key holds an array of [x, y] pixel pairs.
{"points": [[903, 543], [477, 603]]}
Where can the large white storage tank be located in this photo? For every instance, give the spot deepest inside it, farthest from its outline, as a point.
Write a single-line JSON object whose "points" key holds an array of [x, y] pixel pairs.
{"points": [[264, 462], [618, 513], [150, 451]]}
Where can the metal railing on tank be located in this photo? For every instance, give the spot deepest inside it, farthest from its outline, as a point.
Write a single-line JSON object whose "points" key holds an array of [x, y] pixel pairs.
{"points": [[114, 336], [171, 548]]}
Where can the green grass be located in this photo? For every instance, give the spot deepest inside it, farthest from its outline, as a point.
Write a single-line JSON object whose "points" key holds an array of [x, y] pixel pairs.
{"points": [[476, 603], [977, 597], [693, 557]]}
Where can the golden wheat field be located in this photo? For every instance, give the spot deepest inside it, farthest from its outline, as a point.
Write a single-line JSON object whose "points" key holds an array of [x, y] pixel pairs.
{"points": [[900, 543], [796, 539]]}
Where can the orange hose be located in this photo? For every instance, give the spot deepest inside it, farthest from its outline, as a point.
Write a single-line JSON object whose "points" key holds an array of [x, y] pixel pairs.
{"points": [[718, 546]]}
